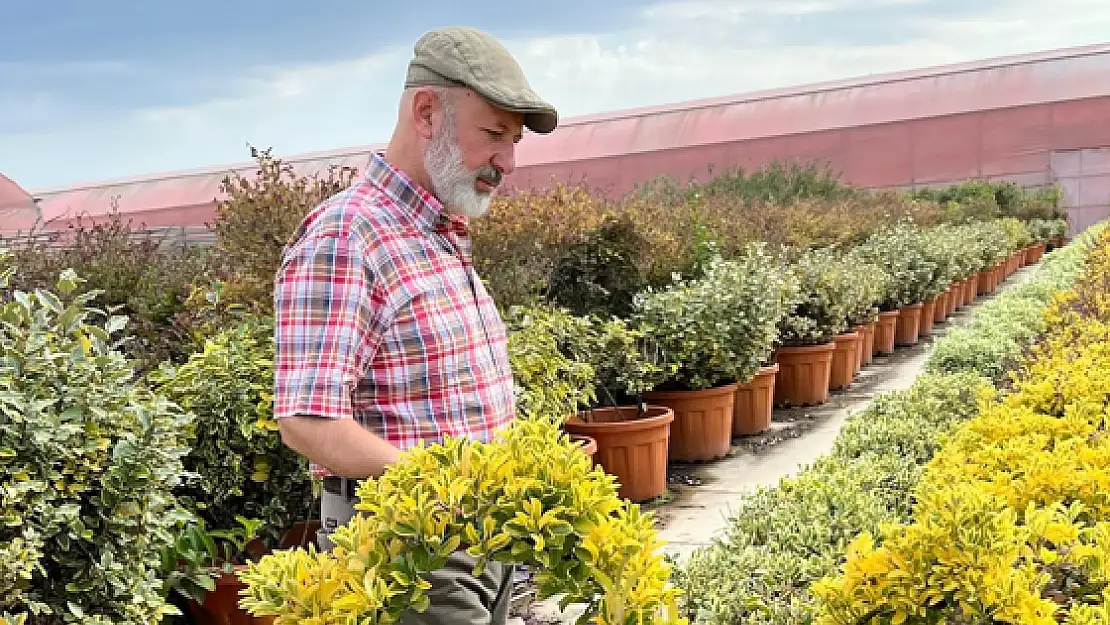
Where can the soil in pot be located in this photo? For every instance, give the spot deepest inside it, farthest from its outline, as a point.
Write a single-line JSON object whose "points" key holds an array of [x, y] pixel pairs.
{"points": [[909, 325], [928, 312], [845, 357], [632, 446], [754, 405], [702, 428], [804, 373], [885, 331]]}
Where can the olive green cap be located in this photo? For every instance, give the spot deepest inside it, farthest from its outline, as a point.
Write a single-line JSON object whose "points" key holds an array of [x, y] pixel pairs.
{"points": [[461, 56]]}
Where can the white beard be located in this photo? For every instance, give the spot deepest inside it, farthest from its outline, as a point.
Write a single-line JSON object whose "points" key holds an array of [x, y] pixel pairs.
{"points": [[452, 183]]}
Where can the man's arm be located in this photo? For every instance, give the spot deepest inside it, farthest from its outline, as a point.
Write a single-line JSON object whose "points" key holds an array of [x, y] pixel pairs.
{"points": [[329, 321], [341, 446]]}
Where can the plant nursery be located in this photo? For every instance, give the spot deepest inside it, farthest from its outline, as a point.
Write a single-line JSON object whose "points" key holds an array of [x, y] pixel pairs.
{"points": [[144, 480]]}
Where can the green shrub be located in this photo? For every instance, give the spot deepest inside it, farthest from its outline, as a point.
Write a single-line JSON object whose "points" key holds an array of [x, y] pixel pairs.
{"points": [[868, 284], [601, 275], [135, 273], [903, 251], [720, 327], [240, 464], [822, 301], [88, 462], [547, 380]]}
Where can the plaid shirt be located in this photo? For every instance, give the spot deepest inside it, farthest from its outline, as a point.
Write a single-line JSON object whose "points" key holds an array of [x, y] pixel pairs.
{"points": [[380, 316]]}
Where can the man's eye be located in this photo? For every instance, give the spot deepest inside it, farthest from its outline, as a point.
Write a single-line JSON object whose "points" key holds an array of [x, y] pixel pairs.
{"points": [[495, 134]]}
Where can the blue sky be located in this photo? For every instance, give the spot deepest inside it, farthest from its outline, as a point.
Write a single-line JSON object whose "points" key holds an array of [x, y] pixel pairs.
{"points": [[113, 88]]}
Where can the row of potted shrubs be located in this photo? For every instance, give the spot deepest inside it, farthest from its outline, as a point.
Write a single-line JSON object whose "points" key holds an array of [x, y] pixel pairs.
{"points": [[708, 359]]}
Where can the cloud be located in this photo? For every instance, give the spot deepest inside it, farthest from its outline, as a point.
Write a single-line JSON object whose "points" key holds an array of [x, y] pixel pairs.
{"points": [[668, 52]]}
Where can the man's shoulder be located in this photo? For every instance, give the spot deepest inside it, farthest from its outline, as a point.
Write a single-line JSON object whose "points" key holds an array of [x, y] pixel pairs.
{"points": [[362, 213]]}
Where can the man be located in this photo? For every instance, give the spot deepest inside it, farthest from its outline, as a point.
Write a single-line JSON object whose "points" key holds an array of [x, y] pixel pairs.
{"points": [[385, 335]]}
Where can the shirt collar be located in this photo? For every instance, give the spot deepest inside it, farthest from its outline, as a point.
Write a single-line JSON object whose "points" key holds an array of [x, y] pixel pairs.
{"points": [[423, 207]]}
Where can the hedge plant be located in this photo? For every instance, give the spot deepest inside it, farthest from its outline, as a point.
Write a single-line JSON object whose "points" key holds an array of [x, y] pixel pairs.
{"points": [[1002, 329], [823, 301], [720, 327], [89, 459], [528, 497], [238, 464], [868, 285], [903, 251]]}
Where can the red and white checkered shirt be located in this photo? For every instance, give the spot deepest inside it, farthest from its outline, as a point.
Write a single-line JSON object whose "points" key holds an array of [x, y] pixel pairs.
{"points": [[381, 317]]}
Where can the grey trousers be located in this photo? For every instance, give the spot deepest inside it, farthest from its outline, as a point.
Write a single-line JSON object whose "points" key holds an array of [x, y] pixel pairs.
{"points": [[456, 595]]}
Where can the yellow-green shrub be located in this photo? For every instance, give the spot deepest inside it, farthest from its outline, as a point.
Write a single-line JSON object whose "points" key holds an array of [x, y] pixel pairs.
{"points": [[530, 496]]}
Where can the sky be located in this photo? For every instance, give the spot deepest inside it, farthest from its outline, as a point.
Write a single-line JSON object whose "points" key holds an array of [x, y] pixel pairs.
{"points": [[116, 88]]}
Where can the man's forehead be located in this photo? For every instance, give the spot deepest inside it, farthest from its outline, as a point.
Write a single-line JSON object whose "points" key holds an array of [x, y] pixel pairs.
{"points": [[495, 114]]}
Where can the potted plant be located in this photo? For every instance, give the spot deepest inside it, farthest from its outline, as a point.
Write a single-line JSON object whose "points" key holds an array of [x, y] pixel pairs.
{"points": [[590, 374], [237, 465], [761, 292], [901, 251], [690, 322], [200, 569], [806, 338], [866, 288]]}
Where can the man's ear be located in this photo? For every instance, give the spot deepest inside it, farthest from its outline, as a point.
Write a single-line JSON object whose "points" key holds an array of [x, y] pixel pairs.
{"points": [[424, 109]]}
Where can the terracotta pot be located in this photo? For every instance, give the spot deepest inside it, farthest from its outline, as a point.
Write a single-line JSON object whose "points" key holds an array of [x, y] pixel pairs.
{"points": [[1036, 253], [940, 310], [885, 331], [754, 405], [589, 445], [631, 447], [928, 311], [955, 297], [221, 605], [973, 288], [867, 351], [301, 534], [909, 325], [804, 373], [702, 428], [986, 280], [845, 357]]}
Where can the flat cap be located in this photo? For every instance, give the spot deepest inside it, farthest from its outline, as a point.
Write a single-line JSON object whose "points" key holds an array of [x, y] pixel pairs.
{"points": [[462, 56]]}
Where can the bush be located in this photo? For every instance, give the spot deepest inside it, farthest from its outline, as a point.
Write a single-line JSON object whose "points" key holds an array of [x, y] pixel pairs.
{"points": [[902, 251], [548, 381], [135, 273], [823, 299], [721, 327], [240, 464], [260, 214], [88, 462], [527, 497], [601, 275]]}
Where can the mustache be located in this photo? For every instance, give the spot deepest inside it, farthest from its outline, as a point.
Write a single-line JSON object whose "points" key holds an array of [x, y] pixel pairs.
{"points": [[489, 175]]}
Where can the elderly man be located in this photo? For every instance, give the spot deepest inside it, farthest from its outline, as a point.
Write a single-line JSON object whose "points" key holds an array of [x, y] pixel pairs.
{"points": [[385, 335]]}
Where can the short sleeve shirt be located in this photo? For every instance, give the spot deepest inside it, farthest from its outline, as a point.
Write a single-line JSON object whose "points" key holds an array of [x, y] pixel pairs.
{"points": [[381, 317]]}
